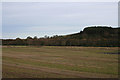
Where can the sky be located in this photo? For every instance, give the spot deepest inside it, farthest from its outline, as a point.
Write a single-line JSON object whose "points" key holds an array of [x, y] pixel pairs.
{"points": [[60, 0], [23, 19]]}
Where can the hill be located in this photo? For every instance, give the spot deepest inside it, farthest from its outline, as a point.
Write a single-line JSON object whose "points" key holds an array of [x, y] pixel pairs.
{"points": [[90, 36], [96, 33]]}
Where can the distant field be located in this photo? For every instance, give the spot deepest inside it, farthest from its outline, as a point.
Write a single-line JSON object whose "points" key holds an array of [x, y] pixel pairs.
{"points": [[59, 62]]}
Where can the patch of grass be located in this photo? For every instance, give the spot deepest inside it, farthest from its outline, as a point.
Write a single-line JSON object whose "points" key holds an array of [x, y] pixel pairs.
{"points": [[108, 70], [80, 59]]}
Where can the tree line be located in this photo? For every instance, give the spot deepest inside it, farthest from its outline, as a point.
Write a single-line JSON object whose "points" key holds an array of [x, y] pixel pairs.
{"points": [[98, 36]]}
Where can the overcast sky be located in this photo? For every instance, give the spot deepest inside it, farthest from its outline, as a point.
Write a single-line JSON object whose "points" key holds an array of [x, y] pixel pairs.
{"points": [[22, 19]]}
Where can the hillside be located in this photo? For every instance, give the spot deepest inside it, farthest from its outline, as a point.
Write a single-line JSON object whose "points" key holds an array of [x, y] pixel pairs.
{"points": [[96, 33], [90, 36]]}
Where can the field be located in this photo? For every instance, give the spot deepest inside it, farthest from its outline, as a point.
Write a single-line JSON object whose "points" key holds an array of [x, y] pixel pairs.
{"points": [[59, 62]]}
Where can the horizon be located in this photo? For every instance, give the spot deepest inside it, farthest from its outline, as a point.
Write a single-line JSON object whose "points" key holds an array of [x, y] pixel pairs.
{"points": [[55, 18], [59, 35]]}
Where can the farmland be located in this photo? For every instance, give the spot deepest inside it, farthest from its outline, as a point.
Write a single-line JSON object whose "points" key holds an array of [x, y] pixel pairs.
{"points": [[59, 62]]}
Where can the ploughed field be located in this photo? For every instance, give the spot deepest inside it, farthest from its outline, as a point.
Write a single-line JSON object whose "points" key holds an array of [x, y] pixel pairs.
{"points": [[59, 62]]}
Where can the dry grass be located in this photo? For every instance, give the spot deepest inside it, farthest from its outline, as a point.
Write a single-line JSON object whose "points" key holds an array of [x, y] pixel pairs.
{"points": [[59, 62]]}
